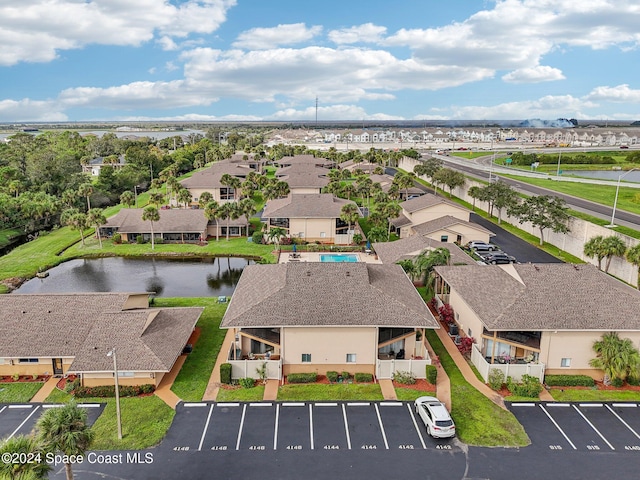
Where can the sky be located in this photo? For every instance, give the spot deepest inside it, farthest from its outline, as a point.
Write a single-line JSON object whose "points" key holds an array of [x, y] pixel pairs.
{"points": [[269, 60]]}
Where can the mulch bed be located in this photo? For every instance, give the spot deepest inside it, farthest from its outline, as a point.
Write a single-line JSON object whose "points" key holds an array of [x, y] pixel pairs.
{"points": [[602, 386], [421, 385], [23, 379]]}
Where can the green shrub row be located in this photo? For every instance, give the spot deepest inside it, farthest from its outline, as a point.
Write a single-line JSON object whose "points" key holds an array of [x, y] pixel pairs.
{"points": [[110, 391], [334, 376], [529, 386], [432, 374], [225, 373], [247, 382], [363, 377], [405, 378], [302, 377], [496, 379], [569, 381]]}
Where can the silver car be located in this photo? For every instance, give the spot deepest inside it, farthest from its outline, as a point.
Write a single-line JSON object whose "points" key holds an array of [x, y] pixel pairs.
{"points": [[435, 417]]}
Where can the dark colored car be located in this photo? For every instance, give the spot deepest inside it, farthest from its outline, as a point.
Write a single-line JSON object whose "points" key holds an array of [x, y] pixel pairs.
{"points": [[495, 258]]}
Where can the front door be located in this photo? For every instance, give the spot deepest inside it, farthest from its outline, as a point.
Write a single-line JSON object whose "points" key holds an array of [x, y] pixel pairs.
{"points": [[57, 366]]}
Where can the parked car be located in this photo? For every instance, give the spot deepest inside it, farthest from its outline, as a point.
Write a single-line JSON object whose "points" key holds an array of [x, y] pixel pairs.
{"points": [[435, 417], [498, 257], [478, 245]]}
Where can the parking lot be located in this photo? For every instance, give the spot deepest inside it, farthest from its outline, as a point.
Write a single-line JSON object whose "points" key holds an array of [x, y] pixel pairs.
{"points": [[20, 419], [597, 427], [300, 426]]}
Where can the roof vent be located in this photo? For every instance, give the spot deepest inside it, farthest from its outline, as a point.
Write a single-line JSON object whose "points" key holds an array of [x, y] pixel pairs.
{"points": [[308, 273], [536, 267], [348, 273], [24, 311], [575, 267]]}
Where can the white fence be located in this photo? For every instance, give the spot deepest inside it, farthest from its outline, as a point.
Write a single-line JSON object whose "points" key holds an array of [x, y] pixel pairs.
{"points": [[386, 368], [249, 368], [513, 370]]}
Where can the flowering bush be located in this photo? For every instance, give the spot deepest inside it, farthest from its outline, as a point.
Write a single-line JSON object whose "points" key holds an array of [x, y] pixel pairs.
{"points": [[465, 345], [446, 313]]}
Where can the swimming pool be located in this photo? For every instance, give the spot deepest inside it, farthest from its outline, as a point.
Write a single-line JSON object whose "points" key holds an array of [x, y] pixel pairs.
{"points": [[334, 257]]}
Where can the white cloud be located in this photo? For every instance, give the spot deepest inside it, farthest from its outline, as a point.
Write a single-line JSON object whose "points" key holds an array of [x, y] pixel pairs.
{"points": [[267, 38], [35, 30], [540, 73], [367, 32], [550, 106], [331, 112], [32, 111], [618, 94], [167, 43]]}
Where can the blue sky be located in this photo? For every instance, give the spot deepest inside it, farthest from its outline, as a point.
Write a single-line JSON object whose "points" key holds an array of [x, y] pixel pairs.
{"points": [[199, 60]]}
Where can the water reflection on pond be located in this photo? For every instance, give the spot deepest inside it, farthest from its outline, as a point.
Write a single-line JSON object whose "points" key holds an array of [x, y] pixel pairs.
{"points": [[173, 277]]}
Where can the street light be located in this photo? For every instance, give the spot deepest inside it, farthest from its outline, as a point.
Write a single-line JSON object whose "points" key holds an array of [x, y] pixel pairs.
{"points": [[112, 353], [615, 201]]}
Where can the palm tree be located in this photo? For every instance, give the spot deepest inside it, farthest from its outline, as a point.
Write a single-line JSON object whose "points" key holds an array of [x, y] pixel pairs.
{"points": [[474, 192], [96, 218], [64, 429], [205, 197], [231, 212], [156, 198], [633, 257], [613, 247], [594, 248], [275, 234], [184, 197], [85, 190], [248, 209], [127, 198], [616, 356], [151, 214], [230, 181], [212, 212], [350, 214], [75, 220], [32, 449], [427, 260]]}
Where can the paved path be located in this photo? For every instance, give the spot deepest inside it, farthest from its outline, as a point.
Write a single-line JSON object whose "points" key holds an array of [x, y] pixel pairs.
{"points": [[271, 389], [388, 391], [48, 387], [163, 391], [213, 386], [443, 385]]}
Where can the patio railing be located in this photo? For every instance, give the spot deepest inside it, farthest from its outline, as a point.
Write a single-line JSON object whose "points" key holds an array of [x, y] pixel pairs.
{"points": [[513, 370], [386, 368], [248, 368]]}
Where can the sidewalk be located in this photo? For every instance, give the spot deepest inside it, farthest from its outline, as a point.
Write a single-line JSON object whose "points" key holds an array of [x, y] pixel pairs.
{"points": [[271, 390], [388, 391], [443, 385], [48, 387], [213, 386], [466, 370], [163, 391]]}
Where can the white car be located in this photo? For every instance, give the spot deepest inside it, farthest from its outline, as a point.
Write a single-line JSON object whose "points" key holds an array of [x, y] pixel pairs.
{"points": [[435, 417]]}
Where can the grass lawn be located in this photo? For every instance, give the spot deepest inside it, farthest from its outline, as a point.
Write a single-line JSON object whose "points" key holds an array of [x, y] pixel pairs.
{"points": [[6, 235], [194, 375], [145, 421], [409, 395], [570, 395], [335, 392], [18, 392], [240, 394], [478, 420]]}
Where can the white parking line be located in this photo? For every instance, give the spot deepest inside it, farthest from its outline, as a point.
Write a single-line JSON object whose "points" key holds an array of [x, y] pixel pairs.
{"points": [[415, 424], [623, 422], [558, 405], [557, 426], [346, 426], [275, 428], [244, 411], [293, 404], [390, 404], [523, 404], [2, 409], [358, 404], [20, 406], [195, 404], [590, 404], [594, 428], [384, 435], [206, 426], [326, 404], [53, 406], [261, 404], [20, 426], [89, 405], [228, 404], [623, 405], [311, 426]]}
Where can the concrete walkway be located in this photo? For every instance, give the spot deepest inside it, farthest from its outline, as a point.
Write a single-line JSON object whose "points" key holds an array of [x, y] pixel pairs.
{"points": [[48, 387], [466, 370], [213, 386], [443, 385], [163, 391], [271, 389], [388, 391]]}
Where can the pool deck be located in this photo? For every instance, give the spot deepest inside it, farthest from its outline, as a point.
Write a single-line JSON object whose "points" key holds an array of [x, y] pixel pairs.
{"points": [[286, 257]]}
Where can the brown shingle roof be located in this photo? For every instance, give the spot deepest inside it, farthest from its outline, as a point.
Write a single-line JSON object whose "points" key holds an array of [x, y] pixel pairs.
{"points": [[446, 222], [408, 248], [210, 177], [326, 294], [304, 159], [305, 205], [427, 200], [545, 297], [175, 220]]}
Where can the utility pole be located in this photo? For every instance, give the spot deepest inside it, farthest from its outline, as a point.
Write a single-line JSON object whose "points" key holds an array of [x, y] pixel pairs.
{"points": [[316, 112]]}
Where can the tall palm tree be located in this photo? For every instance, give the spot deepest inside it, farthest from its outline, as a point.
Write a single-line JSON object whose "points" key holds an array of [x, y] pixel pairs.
{"points": [[96, 218], [156, 198], [64, 429], [85, 190], [275, 234], [233, 212], [633, 257], [474, 192], [184, 197], [230, 181], [248, 209], [350, 214], [618, 357], [30, 448], [151, 214], [127, 198], [613, 247], [212, 212]]}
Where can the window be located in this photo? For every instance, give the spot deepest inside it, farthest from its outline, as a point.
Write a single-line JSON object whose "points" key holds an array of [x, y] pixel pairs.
{"points": [[28, 360], [125, 374], [565, 362], [351, 358], [306, 358], [323, 234], [444, 238]]}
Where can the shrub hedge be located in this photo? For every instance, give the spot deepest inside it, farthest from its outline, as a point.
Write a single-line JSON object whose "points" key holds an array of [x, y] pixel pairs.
{"points": [[110, 391], [302, 377], [363, 377], [529, 386], [569, 381], [432, 374], [332, 376], [225, 373], [247, 382]]}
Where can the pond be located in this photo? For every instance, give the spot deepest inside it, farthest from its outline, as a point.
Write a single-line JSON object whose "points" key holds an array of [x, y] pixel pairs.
{"points": [[174, 277]]}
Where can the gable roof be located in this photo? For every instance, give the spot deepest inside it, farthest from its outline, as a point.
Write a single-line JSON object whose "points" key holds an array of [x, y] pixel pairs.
{"points": [[410, 247], [552, 296], [426, 201], [304, 159], [326, 294], [175, 220], [447, 223], [210, 177], [305, 205]]}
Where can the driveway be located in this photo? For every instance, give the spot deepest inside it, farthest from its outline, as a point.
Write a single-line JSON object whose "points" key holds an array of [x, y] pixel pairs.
{"points": [[513, 245]]}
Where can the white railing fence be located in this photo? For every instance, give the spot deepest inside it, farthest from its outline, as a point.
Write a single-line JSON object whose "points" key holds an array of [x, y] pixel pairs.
{"points": [[249, 369], [513, 370], [386, 368]]}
